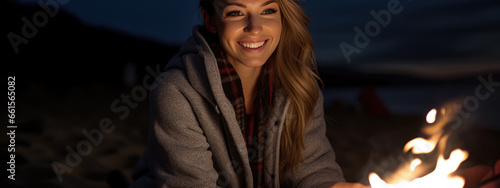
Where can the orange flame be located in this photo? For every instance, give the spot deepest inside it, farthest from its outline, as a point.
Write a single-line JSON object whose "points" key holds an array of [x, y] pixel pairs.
{"points": [[431, 116], [420, 145], [442, 174], [414, 164], [439, 178]]}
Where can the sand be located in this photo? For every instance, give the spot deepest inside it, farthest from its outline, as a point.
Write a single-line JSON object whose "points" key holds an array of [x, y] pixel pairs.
{"points": [[51, 118]]}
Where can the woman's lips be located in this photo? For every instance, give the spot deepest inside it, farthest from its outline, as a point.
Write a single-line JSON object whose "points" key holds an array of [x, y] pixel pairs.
{"points": [[253, 45]]}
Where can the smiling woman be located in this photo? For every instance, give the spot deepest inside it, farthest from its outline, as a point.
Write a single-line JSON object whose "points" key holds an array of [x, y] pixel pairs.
{"points": [[240, 105]]}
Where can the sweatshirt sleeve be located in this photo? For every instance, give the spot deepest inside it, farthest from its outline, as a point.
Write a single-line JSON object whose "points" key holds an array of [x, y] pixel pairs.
{"points": [[179, 151], [319, 168]]}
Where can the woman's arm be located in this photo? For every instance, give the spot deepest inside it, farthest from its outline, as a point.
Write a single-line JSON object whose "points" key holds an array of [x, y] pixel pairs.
{"points": [[179, 151]]}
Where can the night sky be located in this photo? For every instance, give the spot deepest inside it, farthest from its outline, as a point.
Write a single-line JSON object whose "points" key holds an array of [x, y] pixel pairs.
{"points": [[421, 32]]}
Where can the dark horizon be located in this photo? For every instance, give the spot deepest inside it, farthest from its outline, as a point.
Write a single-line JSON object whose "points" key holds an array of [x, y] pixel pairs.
{"points": [[427, 33]]}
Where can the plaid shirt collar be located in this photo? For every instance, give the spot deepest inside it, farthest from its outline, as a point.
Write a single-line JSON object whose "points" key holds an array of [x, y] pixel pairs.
{"points": [[252, 126]]}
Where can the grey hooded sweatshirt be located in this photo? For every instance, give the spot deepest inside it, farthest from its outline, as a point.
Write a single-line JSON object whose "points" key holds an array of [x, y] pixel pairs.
{"points": [[195, 139]]}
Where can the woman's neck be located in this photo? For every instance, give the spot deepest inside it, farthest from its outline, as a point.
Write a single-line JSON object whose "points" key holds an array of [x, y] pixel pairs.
{"points": [[249, 77]]}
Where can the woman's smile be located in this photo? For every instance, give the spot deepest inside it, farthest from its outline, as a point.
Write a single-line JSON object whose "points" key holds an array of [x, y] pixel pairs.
{"points": [[253, 45]]}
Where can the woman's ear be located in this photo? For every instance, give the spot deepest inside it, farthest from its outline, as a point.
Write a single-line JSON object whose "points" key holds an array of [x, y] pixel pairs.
{"points": [[209, 21]]}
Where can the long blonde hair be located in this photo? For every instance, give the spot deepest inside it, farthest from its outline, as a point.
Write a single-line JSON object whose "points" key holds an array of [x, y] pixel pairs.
{"points": [[296, 72]]}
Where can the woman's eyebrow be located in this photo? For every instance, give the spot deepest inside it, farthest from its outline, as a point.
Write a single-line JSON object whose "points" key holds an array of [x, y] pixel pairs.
{"points": [[268, 2], [243, 6]]}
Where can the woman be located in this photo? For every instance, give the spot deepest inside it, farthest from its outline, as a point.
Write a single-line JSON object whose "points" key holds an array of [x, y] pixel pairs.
{"points": [[240, 106]]}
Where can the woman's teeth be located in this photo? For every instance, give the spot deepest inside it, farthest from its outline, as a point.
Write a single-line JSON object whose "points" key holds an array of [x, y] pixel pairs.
{"points": [[252, 45]]}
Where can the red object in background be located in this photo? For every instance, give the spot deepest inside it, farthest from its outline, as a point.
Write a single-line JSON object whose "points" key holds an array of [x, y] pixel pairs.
{"points": [[371, 103]]}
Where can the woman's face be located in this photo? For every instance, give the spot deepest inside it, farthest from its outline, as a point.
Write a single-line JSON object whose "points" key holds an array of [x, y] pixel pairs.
{"points": [[249, 30]]}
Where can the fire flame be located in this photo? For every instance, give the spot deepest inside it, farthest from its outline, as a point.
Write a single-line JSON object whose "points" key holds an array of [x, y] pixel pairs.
{"points": [[442, 174], [431, 116], [420, 145], [414, 164]]}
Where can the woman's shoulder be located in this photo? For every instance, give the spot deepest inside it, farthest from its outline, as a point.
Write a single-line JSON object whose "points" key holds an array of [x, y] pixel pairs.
{"points": [[171, 79], [187, 73]]}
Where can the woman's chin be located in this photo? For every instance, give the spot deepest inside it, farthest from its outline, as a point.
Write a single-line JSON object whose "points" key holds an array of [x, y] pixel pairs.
{"points": [[254, 62]]}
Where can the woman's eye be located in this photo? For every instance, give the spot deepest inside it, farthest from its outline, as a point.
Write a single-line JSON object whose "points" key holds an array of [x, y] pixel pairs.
{"points": [[234, 13], [270, 11]]}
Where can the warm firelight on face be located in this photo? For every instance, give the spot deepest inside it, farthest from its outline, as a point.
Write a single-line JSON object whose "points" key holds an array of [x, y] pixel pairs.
{"points": [[442, 174]]}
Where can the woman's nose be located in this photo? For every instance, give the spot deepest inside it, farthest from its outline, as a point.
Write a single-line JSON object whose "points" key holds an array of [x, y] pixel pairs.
{"points": [[254, 25]]}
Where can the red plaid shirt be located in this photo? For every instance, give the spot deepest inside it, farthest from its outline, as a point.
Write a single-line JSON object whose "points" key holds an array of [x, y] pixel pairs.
{"points": [[252, 124]]}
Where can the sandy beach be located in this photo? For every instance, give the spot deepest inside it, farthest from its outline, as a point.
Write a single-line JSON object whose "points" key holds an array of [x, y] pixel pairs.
{"points": [[51, 121]]}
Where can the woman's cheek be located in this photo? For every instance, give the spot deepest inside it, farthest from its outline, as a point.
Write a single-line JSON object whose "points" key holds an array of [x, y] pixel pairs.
{"points": [[230, 29], [273, 24]]}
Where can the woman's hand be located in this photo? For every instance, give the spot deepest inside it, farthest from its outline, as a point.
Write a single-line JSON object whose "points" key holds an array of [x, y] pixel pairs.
{"points": [[349, 185], [478, 175]]}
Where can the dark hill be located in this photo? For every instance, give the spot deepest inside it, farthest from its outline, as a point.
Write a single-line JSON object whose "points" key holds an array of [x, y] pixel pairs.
{"points": [[65, 51]]}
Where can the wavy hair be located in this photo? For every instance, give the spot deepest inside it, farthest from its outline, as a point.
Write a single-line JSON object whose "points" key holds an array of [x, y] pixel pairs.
{"points": [[295, 71]]}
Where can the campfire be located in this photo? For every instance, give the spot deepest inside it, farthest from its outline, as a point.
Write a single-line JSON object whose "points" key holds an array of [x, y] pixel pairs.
{"points": [[414, 174]]}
